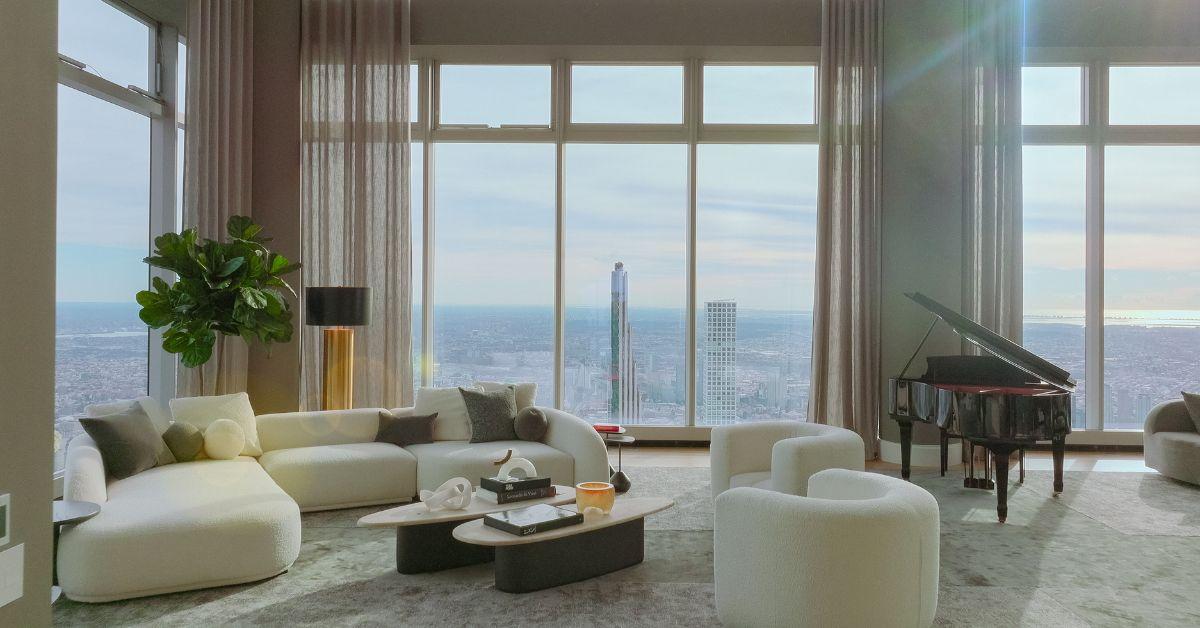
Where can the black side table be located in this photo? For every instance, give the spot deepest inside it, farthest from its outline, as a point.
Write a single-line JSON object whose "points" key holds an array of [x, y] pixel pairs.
{"points": [[619, 480], [68, 512]]}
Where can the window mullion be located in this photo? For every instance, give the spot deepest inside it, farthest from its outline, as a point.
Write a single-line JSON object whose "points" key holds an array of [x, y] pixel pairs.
{"points": [[1097, 118], [561, 95], [692, 108]]}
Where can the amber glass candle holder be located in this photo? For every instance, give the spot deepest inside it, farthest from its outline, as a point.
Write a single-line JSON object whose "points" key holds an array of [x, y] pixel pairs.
{"points": [[595, 495]]}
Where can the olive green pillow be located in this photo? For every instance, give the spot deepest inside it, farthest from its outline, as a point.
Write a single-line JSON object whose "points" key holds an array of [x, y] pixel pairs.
{"points": [[185, 441], [128, 442]]}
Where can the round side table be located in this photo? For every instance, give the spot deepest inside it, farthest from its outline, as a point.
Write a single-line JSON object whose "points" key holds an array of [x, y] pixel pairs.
{"points": [[619, 480], [67, 512]]}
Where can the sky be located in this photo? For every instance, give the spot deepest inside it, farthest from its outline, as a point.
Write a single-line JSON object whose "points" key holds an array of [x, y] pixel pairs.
{"points": [[756, 204]]}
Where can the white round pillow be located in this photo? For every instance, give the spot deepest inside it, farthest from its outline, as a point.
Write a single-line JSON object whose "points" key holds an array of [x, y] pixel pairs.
{"points": [[224, 439]]}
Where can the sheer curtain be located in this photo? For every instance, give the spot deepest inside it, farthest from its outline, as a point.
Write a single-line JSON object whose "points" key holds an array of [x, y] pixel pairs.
{"points": [[355, 199], [992, 215], [845, 363], [217, 154]]}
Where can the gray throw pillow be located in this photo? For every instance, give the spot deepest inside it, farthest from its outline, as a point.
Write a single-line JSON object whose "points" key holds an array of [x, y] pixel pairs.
{"points": [[185, 441], [128, 442], [531, 424], [403, 431], [1192, 401], [492, 414]]}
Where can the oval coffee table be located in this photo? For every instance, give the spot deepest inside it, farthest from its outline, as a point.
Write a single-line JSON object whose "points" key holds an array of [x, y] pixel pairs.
{"points": [[423, 538], [595, 547]]}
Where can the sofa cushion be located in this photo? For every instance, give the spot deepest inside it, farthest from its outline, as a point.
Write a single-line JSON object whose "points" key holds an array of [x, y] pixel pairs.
{"points": [[492, 414], [341, 476], [128, 442], [202, 411], [153, 409], [526, 391], [442, 460], [453, 422], [531, 424], [185, 441], [288, 430], [756, 479], [178, 527], [224, 439], [404, 430]]}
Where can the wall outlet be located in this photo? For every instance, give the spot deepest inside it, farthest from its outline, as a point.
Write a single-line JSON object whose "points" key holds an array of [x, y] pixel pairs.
{"points": [[5, 518]]}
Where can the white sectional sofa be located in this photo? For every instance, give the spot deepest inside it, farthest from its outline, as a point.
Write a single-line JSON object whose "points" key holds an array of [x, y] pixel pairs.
{"points": [[209, 523]]}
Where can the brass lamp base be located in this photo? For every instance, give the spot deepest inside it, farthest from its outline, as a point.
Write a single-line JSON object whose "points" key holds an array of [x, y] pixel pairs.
{"points": [[337, 380]]}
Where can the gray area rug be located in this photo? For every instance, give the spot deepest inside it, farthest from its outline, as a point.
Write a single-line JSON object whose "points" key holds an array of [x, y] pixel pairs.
{"points": [[1116, 549]]}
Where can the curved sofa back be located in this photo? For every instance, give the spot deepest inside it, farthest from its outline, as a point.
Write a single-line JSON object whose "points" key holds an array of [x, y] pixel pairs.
{"points": [[288, 430]]}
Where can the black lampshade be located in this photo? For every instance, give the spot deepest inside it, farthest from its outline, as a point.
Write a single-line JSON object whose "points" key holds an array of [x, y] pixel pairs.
{"points": [[337, 306]]}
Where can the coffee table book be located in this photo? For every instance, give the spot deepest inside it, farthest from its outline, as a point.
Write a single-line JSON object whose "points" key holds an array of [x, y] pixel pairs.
{"points": [[496, 485], [532, 519], [519, 495]]}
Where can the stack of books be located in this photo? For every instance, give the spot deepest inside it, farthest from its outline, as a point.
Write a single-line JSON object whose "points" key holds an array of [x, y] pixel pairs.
{"points": [[506, 492], [608, 428], [532, 519]]}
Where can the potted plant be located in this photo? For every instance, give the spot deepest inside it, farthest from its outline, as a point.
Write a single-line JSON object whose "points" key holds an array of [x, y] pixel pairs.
{"points": [[232, 288]]}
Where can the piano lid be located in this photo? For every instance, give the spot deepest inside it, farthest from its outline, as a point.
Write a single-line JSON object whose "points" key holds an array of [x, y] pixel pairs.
{"points": [[998, 345]]}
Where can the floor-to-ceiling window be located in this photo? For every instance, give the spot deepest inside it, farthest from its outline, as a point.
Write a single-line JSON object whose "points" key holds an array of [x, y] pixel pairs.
{"points": [[116, 137], [1112, 216], [588, 218]]}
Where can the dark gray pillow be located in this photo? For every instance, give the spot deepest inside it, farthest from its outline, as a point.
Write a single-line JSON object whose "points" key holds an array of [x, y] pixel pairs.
{"points": [[128, 442], [531, 424], [403, 431], [492, 414], [185, 441]]}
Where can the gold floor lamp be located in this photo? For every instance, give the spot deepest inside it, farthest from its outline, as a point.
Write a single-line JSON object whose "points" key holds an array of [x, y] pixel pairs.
{"points": [[339, 310]]}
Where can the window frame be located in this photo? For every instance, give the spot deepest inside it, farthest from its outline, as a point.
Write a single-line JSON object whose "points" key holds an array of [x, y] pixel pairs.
{"points": [[159, 106], [1095, 134], [693, 132]]}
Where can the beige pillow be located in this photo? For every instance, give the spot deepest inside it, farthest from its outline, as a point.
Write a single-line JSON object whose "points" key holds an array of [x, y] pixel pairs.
{"points": [[452, 422], [202, 411], [224, 439], [526, 392]]}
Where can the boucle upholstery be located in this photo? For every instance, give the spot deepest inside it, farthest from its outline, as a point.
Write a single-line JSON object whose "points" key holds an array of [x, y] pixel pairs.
{"points": [[177, 527], [327, 477], [325, 427], [1171, 444], [439, 461], [788, 451], [860, 550]]}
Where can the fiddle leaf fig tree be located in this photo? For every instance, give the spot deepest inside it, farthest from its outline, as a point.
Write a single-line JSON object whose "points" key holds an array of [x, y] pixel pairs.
{"points": [[232, 288]]}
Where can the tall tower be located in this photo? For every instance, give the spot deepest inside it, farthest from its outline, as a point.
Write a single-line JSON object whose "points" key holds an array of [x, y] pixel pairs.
{"points": [[624, 403], [720, 362]]}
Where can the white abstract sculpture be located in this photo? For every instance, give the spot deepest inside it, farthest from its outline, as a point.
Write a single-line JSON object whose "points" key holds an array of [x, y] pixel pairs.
{"points": [[513, 464], [453, 494]]}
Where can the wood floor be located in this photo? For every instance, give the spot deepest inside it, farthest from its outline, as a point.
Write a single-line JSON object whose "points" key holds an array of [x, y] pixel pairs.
{"points": [[1035, 460]]}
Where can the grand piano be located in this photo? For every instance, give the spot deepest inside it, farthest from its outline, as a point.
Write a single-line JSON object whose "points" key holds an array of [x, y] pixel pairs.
{"points": [[1005, 401]]}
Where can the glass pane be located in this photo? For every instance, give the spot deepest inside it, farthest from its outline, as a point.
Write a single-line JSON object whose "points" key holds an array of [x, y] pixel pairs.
{"points": [[416, 200], [495, 95], [760, 94], [1055, 189], [103, 234], [494, 299], [626, 283], [181, 82], [1154, 94], [632, 94], [1052, 95], [756, 239], [414, 89], [180, 146], [111, 43], [1151, 274]]}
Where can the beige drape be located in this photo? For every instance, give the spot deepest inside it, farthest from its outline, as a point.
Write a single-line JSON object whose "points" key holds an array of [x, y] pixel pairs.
{"points": [[845, 362], [217, 154], [992, 213], [355, 199]]}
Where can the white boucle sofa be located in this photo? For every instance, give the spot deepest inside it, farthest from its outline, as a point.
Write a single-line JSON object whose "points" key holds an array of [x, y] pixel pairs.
{"points": [[217, 522]]}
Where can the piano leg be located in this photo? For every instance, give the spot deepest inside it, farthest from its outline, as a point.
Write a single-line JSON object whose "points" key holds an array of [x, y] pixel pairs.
{"points": [[905, 448], [1021, 462], [945, 450], [1058, 447], [1001, 456]]}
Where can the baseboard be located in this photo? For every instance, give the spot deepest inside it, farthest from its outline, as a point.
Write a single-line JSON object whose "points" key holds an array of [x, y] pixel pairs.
{"points": [[922, 455]]}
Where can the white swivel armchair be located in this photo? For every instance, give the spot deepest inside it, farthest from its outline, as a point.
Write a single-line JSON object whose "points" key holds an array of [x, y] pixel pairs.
{"points": [[860, 550], [779, 455]]}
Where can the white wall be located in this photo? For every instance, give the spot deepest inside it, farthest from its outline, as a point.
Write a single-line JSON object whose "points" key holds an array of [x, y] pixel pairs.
{"points": [[28, 103]]}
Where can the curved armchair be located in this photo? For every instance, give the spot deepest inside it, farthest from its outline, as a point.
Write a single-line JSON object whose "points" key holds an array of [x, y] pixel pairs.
{"points": [[1171, 444], [860, 550], [569, 433], [780, 455]]}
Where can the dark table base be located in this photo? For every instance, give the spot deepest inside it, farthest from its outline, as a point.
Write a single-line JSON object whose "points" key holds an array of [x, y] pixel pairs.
{"points": [[432, 547], [545, 564]]}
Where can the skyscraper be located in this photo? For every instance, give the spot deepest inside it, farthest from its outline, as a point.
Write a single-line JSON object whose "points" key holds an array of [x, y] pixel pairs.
{"points": [[624, 402], [720, 362]]}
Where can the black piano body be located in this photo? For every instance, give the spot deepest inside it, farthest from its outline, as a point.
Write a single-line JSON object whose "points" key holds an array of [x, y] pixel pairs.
{"points": [[1005, 401]]}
